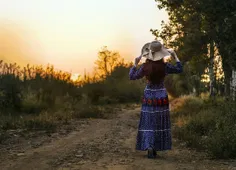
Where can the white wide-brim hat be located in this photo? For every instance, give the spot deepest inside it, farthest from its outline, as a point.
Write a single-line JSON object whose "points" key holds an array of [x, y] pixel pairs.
{"points": [[154, 51]]}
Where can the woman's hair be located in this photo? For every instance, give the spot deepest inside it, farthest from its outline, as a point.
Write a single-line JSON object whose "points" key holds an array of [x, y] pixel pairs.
{"points": [[154, 71]]}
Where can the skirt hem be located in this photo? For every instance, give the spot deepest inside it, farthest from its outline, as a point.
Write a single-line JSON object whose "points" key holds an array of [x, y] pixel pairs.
{"points": [[154, 149]]}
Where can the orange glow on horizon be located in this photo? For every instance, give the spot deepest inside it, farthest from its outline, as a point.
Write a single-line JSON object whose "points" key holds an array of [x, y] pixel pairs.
{"points": [[69, 35]]}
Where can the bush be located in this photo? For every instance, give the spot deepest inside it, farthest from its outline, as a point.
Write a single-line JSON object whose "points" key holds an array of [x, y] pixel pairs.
{"points": [[115, 88], [40, 124], [107, 100], [90, 112], [3, 136], [38, 98], [211, 127], [31, 105], [186, 106], [10, 96], [94, 91], [125, 92]]}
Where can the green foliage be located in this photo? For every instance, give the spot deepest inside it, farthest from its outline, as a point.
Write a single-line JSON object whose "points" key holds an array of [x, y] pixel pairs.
{"points": [[185, 83], [3, 136], [31, 105], [110, 84], [186, 103], [194, 24], [38, 98], [116, 88], [123, 90], [10, 95], [209, 125], [94, 91]]}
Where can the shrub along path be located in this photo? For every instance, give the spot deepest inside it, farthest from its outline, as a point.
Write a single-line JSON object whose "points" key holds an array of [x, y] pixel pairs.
{"points": [[100, 144]]}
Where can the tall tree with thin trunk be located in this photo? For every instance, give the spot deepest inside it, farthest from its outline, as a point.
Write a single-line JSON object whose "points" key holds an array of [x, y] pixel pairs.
{"points": [[198, 24]]}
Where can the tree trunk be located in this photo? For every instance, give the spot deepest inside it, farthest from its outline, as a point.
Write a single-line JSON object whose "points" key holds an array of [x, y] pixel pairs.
{"points": [[226, 67], [227, 74], [227, 85], [211, 69]]}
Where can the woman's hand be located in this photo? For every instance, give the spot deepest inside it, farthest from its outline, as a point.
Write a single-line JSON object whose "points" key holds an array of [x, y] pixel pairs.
{"points": [[173, 54], [137, 60]]}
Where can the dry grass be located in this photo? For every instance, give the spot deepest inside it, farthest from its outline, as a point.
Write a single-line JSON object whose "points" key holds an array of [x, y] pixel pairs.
{"points": [[206, 124]]}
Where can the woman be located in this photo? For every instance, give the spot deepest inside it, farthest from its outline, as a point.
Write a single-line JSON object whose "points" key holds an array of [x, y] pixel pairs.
{"points": [[154, 133]]}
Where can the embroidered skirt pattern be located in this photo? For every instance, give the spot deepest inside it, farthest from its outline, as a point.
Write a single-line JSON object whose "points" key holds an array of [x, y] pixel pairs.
{"points": [[154, 126]]}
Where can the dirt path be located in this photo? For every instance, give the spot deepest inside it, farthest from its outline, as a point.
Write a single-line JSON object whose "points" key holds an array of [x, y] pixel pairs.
{"points": [[107, 145]]}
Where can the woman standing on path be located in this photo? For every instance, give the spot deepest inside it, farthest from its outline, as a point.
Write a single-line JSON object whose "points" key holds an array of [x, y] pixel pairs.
{"points": [[154, 132]]}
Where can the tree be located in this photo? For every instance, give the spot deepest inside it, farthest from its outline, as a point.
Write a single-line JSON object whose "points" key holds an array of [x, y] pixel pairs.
{"points": [[184, 34], [107, 61], [199, 26]]}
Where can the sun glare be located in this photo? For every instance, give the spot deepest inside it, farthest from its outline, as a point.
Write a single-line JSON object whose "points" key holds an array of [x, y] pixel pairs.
{"points": [[75, 77]]}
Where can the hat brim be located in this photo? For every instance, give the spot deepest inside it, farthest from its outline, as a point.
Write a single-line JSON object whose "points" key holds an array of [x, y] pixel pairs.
{"points": [[157, 55], [145, 49]]}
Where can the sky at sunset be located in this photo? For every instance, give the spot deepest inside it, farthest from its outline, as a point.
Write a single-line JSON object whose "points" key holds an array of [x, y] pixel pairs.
{"points": [[69, 33]]}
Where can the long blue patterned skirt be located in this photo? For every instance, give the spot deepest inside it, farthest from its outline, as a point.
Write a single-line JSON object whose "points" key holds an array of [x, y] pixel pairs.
{"points": [[154, 126]]}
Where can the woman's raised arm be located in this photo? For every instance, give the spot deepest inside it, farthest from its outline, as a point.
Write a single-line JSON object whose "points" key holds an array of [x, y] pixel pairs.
{"points": [[174, 69], [135, 73]]}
